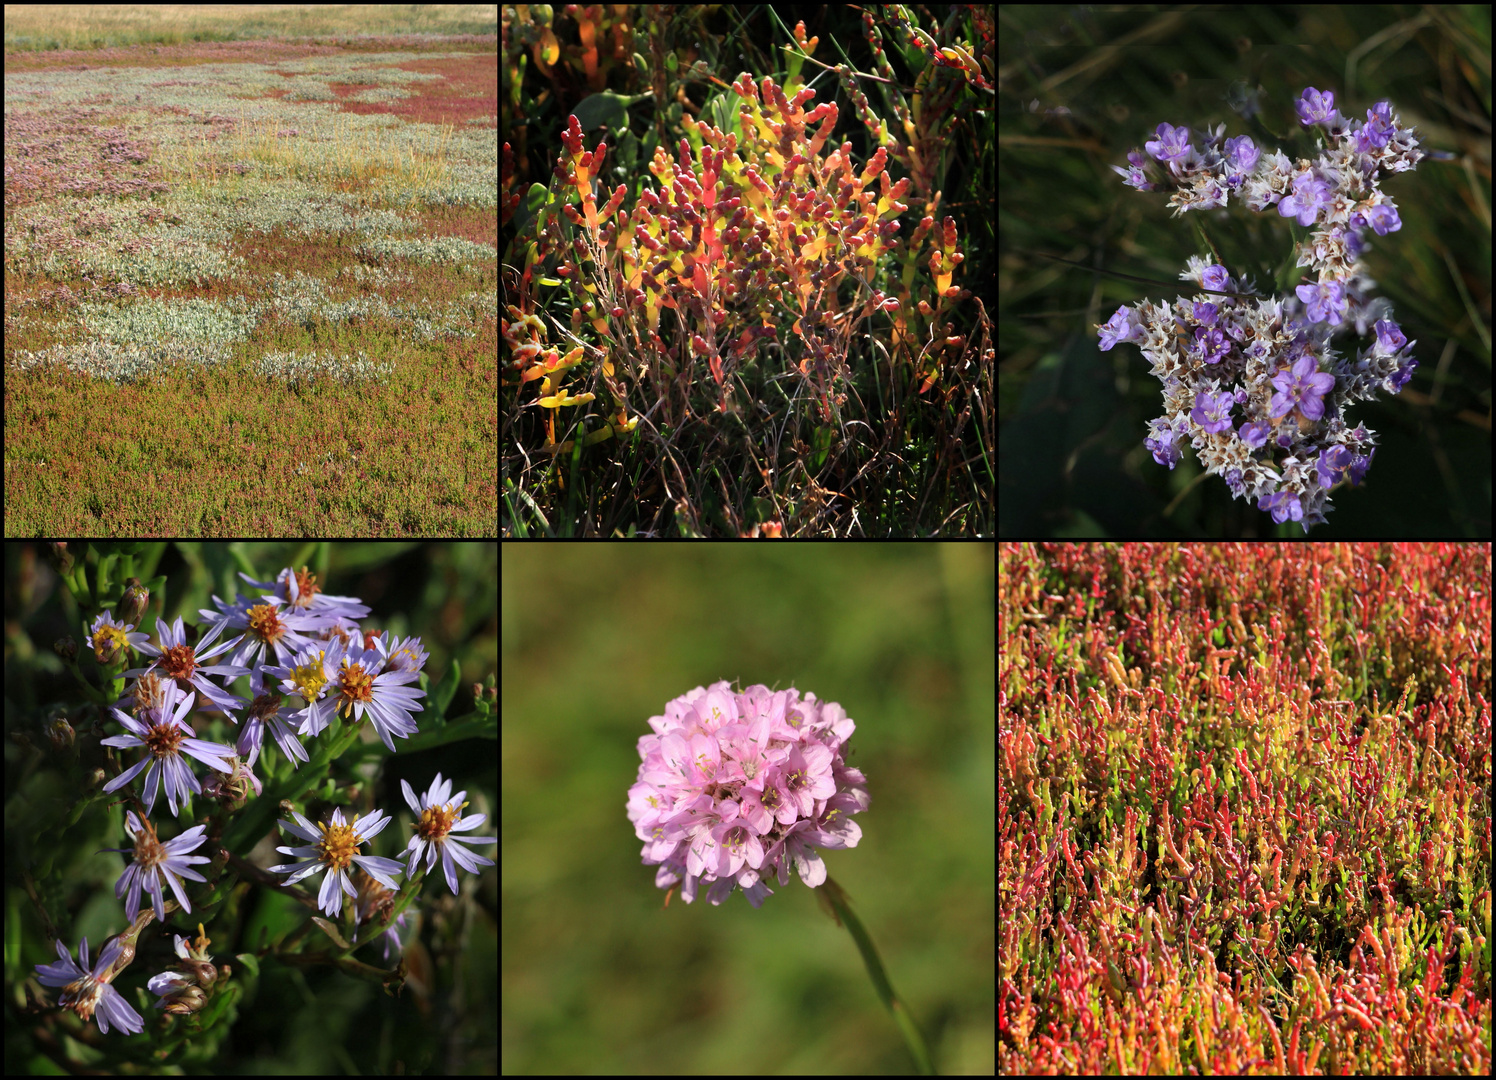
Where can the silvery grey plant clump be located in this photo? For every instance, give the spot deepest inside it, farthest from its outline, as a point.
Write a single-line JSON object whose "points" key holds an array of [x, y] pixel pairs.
{"points": [[100, 359], [1254, 383], [298, 368], [440, 249]]}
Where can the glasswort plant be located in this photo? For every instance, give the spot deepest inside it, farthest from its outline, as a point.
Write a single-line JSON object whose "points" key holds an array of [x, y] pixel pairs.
{"points": [[1253, 382]]}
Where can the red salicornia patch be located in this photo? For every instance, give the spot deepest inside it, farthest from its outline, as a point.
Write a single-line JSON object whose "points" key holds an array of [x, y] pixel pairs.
{"points": [[1244, 808]]}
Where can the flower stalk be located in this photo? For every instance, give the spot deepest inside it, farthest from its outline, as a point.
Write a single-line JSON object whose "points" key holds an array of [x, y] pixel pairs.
{"points": [[834, 897]]}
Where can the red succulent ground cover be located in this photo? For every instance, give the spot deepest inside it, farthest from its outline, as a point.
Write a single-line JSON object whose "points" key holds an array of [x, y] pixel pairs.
{"points": [[1244, 808]]}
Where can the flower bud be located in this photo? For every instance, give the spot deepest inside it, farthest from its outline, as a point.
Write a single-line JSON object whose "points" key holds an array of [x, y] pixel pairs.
{"points": [[67, 648], [60, 734], [132, 604], [185, 1001]]}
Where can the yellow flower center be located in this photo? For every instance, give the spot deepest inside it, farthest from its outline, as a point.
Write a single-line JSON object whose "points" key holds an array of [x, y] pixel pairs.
{"points": [[339, 845]]}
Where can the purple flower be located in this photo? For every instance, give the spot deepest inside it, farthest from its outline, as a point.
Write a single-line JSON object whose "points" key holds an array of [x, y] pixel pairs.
{"points": [[1255, 435], [110, 639], [1325, 302], [1163, 444], [1172, 144], [301, 593], [438, 816], [1213, 411], [1211, 345], [1316, 108], [88, 989], [1236, 348], [345, 677], [1118, 328], [1390, 338], [162, 730], [1378, 130], [1382, 219], [1333, 463], [1284, 506], [1310, 195], [267, 714], [1216, 278], [364, 683], [335, 849], [736, 787], [266, 631], [1302, 386], [155, 861], [177, 660]]}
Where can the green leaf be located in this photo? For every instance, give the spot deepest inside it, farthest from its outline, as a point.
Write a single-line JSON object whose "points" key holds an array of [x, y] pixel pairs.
{"points": [[445, 690], [330, 930], [722, 112], [821, 443], [605, 108]]}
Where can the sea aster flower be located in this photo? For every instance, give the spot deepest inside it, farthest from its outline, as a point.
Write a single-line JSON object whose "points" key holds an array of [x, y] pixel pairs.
{"points": [[268, 632], [335, 850], [308, 676], [362, 684], [111, 639], [177, 660], [267, 713], [154, 861], [734, 787], [438, 813], [162, 730], [87, 989], [300, 591]]}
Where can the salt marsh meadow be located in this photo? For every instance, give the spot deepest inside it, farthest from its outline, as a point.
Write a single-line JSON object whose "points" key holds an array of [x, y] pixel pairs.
{"points": [[251, 271]]}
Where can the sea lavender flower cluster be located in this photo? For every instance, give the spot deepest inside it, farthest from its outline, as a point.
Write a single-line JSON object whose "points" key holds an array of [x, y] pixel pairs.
{"points": [[295, 643], [1253, 382], [734, 787]]}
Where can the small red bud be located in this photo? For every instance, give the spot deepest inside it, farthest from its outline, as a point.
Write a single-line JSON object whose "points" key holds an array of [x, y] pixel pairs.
{"points": [[617, 313]]}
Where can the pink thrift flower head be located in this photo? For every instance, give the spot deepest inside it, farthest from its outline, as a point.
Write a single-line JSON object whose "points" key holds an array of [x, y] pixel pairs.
{"points": [[734, 787]]}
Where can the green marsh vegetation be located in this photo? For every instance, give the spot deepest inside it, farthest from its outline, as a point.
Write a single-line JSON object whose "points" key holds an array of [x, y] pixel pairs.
{"points": [[251, 287]]}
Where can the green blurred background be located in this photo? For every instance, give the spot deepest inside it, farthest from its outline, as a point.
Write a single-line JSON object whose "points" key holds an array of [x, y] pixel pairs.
{"points": [[292, 1020], [597, 977], [1079, 88]]}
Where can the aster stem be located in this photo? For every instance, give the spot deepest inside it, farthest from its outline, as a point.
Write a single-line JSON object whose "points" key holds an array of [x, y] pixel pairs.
{"points": [[833, 894], [407, 894]]}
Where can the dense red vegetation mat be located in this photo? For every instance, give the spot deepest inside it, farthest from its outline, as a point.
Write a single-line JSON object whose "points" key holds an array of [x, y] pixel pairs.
{"points": [[1244, 808]]}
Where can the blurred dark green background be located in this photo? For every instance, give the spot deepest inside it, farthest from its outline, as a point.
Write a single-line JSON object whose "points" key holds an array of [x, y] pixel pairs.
{"points": [[292, 1020], [1079, 88], [597, 977]]}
